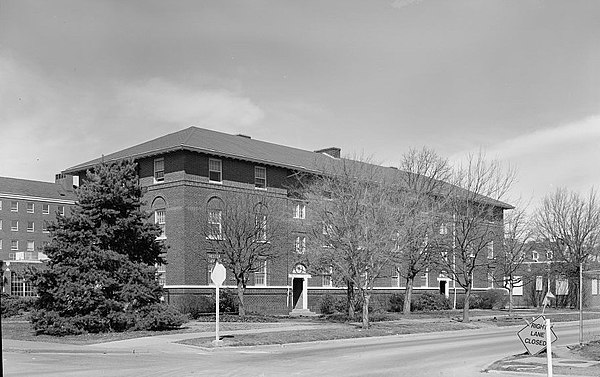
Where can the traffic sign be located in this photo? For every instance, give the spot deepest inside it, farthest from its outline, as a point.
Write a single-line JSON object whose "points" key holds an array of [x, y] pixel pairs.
{"points": [[218, 274], [533, 335]]}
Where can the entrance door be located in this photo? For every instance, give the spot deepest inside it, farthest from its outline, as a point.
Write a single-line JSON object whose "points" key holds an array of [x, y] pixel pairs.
{"points": [[443, 284], [297, 290]]}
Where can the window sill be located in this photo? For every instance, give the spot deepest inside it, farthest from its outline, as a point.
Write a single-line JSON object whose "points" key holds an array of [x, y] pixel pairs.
{"points": [[215, 182]]}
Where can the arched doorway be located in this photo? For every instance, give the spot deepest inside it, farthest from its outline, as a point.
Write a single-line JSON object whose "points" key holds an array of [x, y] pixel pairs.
{"points": [[299, 278]]}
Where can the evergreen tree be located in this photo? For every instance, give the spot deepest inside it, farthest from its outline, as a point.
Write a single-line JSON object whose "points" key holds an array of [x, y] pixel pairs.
{"points": [[101, 275]]}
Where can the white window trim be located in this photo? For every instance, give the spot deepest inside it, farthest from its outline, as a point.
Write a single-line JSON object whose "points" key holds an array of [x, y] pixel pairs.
{"points": [[33, 246], [61, 210], [300, 244], [11, 206], [162, 178], [14, 228], [14, 242], [300, 211], [257, 177], [46, 211], [163, 224], [32, 207], [218, 236], [220, 171], [32, 229], [262, 274]]}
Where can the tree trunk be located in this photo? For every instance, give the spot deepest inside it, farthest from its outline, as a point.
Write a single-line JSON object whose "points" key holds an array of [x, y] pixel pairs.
{"points": [[350, 297], [240, 292], [466, 304], [510, 302], [365, 309], [408, 295]]}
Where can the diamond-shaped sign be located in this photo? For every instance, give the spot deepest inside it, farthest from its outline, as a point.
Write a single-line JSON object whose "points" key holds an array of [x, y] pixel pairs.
{"points": [[533, 335]]}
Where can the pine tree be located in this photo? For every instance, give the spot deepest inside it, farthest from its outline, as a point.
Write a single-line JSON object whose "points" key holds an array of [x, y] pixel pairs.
{"points": [[101, 275]]}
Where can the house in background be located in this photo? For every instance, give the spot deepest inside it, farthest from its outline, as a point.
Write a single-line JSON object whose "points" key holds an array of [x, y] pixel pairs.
{"points": [[26, 208], [184, 173]]}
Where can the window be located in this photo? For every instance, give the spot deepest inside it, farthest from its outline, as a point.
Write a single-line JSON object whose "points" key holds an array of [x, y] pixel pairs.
{"points": [[517, 286], [443, 228], [549, 255], [19, 286], [44, 227], [562, 287], [46, 209], [14, 206], [535, 256], [30, 226], [14, 244], [539, 283], [327, 281], [594, 286], [300, 211], [490, 250], [0, 224], [0, 243], [490, 278], [395, 274], [61, 210], [300, 244], [214, 170], [159, 170], [214, 224], [30, 207], [161, 274], [14, 225], [159, 219], [260, 177], [260, 276], [30, 246], [260, 222], [425, 278], [0, 205]]}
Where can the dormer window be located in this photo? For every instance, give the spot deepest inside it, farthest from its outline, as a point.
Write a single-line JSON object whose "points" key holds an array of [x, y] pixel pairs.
{"points": [[260, 177], [215, 170], [159, 170]]}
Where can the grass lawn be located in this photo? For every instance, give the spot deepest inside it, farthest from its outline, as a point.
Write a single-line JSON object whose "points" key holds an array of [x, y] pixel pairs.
{"points": [[340, 331]]}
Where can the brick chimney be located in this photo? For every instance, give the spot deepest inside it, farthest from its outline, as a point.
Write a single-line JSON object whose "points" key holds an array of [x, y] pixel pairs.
{"points": [[65, 180], [331, 151]]}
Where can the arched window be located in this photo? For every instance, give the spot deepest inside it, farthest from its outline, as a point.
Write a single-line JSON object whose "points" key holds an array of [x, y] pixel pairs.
{"points": [[159, 206], [260, 222], [215, 218]]}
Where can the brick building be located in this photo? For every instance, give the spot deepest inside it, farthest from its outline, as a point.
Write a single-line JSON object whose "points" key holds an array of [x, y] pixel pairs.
{"points": [[184, 172], [26, 207]]}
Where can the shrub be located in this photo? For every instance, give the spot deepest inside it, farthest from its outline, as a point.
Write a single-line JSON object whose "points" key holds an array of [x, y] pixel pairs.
{"points": [[328, 304], [228, 301], [154, 317], [491, 299], [430, 301], [14, 305], [396, 302], [196, 305], [158, 317]]}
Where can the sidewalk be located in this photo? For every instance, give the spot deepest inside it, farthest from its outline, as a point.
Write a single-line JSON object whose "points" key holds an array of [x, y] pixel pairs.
{"points": [[151, 344]]}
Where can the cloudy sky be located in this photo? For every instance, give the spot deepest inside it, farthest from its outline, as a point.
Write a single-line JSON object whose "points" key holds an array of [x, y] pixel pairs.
{"points": [[519, 78]]}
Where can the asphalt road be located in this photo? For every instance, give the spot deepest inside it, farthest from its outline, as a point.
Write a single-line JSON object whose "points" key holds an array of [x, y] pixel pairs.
{"points": [[460, 354]]}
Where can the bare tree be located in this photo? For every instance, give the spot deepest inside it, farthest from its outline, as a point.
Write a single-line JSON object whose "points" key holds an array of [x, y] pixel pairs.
{"points": [[517, 243], [477, 215], [242, 230], [570, 225], [353, 231], [420, 206]]}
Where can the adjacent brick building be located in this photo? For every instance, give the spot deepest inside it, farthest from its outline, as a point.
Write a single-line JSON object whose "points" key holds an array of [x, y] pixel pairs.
{"points": [[26, 208], [184, 171]]}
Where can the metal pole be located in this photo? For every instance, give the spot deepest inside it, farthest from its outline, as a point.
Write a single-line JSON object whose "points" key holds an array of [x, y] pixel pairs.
{"points": [[549, 346], [580, 302], [217, 317]]}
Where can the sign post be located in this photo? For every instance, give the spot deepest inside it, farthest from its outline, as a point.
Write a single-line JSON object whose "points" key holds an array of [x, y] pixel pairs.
{"points": [[218, 277], [534, 336], [549, 350]]}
